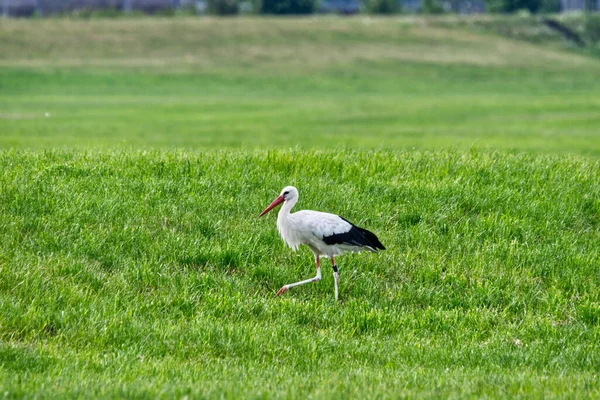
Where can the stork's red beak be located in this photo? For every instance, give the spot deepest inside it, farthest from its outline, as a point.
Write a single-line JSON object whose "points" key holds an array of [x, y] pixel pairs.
{"points": [[274, 204]]}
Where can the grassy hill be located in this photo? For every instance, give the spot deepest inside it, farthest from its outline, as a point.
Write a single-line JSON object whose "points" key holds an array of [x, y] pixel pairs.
{"points": [[254, 83], [136, 155]]}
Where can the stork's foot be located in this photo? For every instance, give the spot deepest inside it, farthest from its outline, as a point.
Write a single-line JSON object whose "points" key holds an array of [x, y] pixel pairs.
{"points": [[282, 290]]}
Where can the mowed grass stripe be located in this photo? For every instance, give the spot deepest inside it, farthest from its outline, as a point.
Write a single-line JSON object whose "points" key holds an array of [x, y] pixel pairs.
{"points": [[387, 106], [147, 273]]}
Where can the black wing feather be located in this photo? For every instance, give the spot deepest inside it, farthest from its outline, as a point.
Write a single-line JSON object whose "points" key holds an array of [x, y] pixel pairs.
{"points": [[356, 236]]}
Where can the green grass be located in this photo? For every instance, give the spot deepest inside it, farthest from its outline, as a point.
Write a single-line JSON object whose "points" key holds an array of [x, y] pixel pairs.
{"points": [[148, 273], [136, 155]]}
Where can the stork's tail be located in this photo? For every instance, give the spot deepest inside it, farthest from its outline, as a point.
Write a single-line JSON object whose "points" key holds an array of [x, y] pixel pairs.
{"points": [[356, 236], [370, 240]]}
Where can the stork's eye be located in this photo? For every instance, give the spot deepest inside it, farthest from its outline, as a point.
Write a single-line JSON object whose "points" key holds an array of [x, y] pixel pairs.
{"points": [[286, 193]]}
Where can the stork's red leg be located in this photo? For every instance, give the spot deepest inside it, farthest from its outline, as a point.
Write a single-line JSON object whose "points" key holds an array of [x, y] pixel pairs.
{"points": [[315, 279]]}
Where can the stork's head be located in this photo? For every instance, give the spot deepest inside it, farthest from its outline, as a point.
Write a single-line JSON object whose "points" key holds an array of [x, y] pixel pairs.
{"points": [[289, 193]]}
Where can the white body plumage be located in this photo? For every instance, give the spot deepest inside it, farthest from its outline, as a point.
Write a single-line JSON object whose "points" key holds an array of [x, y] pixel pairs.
{"points": [[310, 227]]}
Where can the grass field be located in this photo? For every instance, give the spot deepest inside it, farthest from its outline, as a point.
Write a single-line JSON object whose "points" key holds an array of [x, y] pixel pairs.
{"points": [[137, 154], [357, 83]]}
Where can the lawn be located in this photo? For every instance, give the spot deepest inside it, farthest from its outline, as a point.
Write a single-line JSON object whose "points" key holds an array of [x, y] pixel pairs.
{"points": [[136, 155]]}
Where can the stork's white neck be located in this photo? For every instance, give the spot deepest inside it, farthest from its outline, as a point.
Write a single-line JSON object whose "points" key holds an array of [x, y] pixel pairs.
{"points": [[284, 224], [286, 208]]}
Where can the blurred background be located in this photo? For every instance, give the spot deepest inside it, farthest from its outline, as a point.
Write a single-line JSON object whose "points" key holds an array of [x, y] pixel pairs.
{"points": [[389, 74], [24, 8]]}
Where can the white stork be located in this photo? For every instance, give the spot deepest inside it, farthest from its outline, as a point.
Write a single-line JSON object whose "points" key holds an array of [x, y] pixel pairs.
{"points": [[327, 235]]}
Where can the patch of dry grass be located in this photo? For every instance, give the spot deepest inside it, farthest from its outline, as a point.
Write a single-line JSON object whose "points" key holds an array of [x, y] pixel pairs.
{"points": [[245, 43]]}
